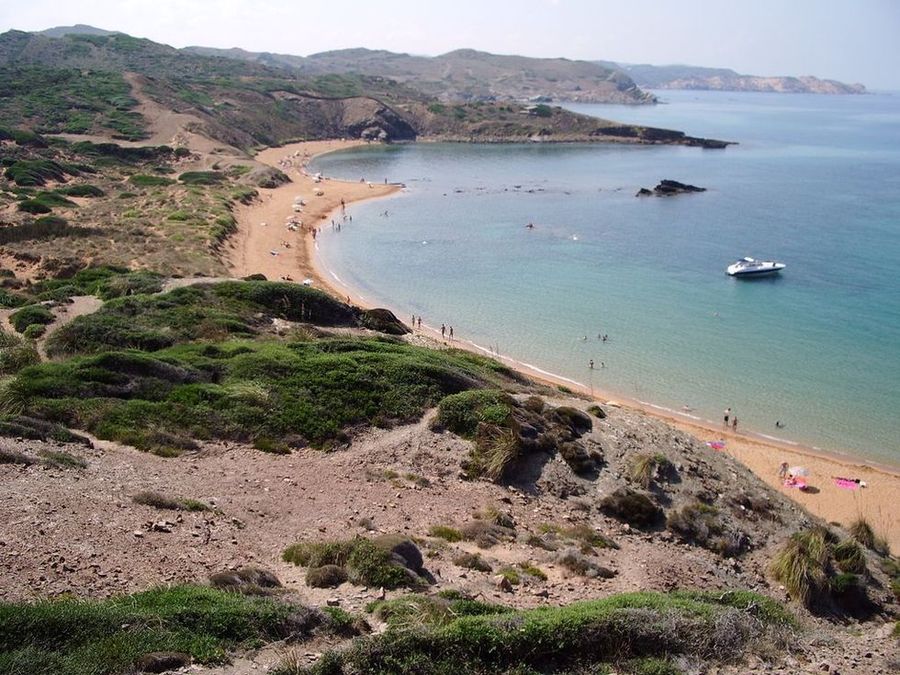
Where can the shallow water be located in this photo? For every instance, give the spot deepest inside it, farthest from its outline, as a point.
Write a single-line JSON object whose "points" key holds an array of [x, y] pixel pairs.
{"points": [[815, 182]]}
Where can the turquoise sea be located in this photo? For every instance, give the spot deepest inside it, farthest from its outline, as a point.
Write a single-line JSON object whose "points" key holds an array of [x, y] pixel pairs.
{"points": [[814, 182]]}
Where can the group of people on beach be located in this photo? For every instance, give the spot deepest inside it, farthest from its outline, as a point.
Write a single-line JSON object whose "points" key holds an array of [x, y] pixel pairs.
{"points": [[446, 331], [734, 420]]}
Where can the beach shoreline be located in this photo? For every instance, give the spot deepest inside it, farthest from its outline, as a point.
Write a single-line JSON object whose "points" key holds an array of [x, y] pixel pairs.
{"points": [[761, 453]]}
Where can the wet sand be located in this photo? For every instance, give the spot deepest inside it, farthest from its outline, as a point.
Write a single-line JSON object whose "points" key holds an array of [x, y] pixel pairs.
{"points": [[260, 248]]}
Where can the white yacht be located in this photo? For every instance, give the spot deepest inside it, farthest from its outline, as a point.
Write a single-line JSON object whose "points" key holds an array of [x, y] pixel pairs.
{"points": [[749, 267]]}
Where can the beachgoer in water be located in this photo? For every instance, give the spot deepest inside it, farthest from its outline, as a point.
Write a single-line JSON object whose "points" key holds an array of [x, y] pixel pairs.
{"points": [[591, 364], [779, 424], [727, 415]]}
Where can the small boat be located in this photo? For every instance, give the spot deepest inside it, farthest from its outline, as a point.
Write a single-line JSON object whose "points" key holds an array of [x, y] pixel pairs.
{"points": [[749, 267]]}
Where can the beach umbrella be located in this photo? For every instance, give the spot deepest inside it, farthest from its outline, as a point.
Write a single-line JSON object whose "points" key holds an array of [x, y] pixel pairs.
{"points": [[798, 471]]}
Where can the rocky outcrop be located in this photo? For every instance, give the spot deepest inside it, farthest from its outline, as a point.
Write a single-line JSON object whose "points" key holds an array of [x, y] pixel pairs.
{"points": [[667, 188], [656, 135]]}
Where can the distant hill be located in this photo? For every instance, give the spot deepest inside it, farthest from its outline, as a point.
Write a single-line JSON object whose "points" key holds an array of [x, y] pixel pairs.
{"points": [[724, 79], [466, 74], [115, 85], [77, 29]]}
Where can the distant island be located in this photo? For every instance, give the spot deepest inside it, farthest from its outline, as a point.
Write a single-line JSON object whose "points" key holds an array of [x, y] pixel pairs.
{"points": [[724, 79]]}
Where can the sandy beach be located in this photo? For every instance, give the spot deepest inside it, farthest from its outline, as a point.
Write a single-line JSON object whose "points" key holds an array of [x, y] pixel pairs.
{"points": [[264, 244]]}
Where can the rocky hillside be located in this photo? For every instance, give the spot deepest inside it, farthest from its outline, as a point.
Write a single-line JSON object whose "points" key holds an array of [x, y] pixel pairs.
{"points": [[298, 472], [116, 85], [724, 79], [467, 74]]}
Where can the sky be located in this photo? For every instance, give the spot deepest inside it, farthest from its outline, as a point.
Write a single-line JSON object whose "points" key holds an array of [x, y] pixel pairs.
{"points": [[849, 40]]}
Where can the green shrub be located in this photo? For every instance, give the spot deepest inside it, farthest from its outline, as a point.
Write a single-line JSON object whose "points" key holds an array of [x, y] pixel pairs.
{"points": [[34, 172], [16, 354], [73, 637], [575, 638], [39, 430], [850, 557], [365, 562], [202, 178], [30, 315], [413, 611], [462, 413], [9, 299], [533, 571], [82, 190], [62, 460], [147, 180], [450, 534], [34, 331]]}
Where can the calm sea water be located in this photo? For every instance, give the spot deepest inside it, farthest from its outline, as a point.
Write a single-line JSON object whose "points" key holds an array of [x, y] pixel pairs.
{"points": [[815, 182]]}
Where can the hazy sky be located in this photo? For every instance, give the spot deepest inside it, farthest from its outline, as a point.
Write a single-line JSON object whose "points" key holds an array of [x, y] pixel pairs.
{"points": [[851, 40]]}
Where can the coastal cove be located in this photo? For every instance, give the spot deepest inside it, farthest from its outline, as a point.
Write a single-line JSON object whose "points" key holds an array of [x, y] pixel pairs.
{"points": [[814, 349]]}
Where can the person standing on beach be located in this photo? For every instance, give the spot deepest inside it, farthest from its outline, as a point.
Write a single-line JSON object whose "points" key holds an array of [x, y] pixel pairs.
{"points": [[734, 424], [783, 470], [451, 332], [420, 321], [727, 415], [443, 330]]}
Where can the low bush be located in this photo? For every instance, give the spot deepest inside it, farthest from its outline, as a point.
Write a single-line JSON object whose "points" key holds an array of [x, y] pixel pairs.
{"points": [[202, 178], [73, 637], [802, 565], [39, 430], [237, 390], [597, 412], [16, 353], [486, 533], [12, 456], [581, 637], [82, 190], [865, 535], [246, 580], [450, 534], [701, 524], [62, 460], [326, 576], [462, 413], [34, 331], [581, 564], [146, 180], [645, 469], [533, 571], [159, 501], [472, 561], [850, 557], [30, 315], [631, 507], [413, 611], [365, 562]]}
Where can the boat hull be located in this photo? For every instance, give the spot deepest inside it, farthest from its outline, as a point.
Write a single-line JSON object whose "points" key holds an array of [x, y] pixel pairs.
{"points": [[755, 273]]}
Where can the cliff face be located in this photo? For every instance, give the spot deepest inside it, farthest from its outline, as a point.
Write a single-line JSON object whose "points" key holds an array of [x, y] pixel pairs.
{"points": [[723, 79]]}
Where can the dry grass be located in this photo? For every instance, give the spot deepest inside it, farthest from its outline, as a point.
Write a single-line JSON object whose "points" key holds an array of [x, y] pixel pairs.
{"points": [[802, 565]]}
